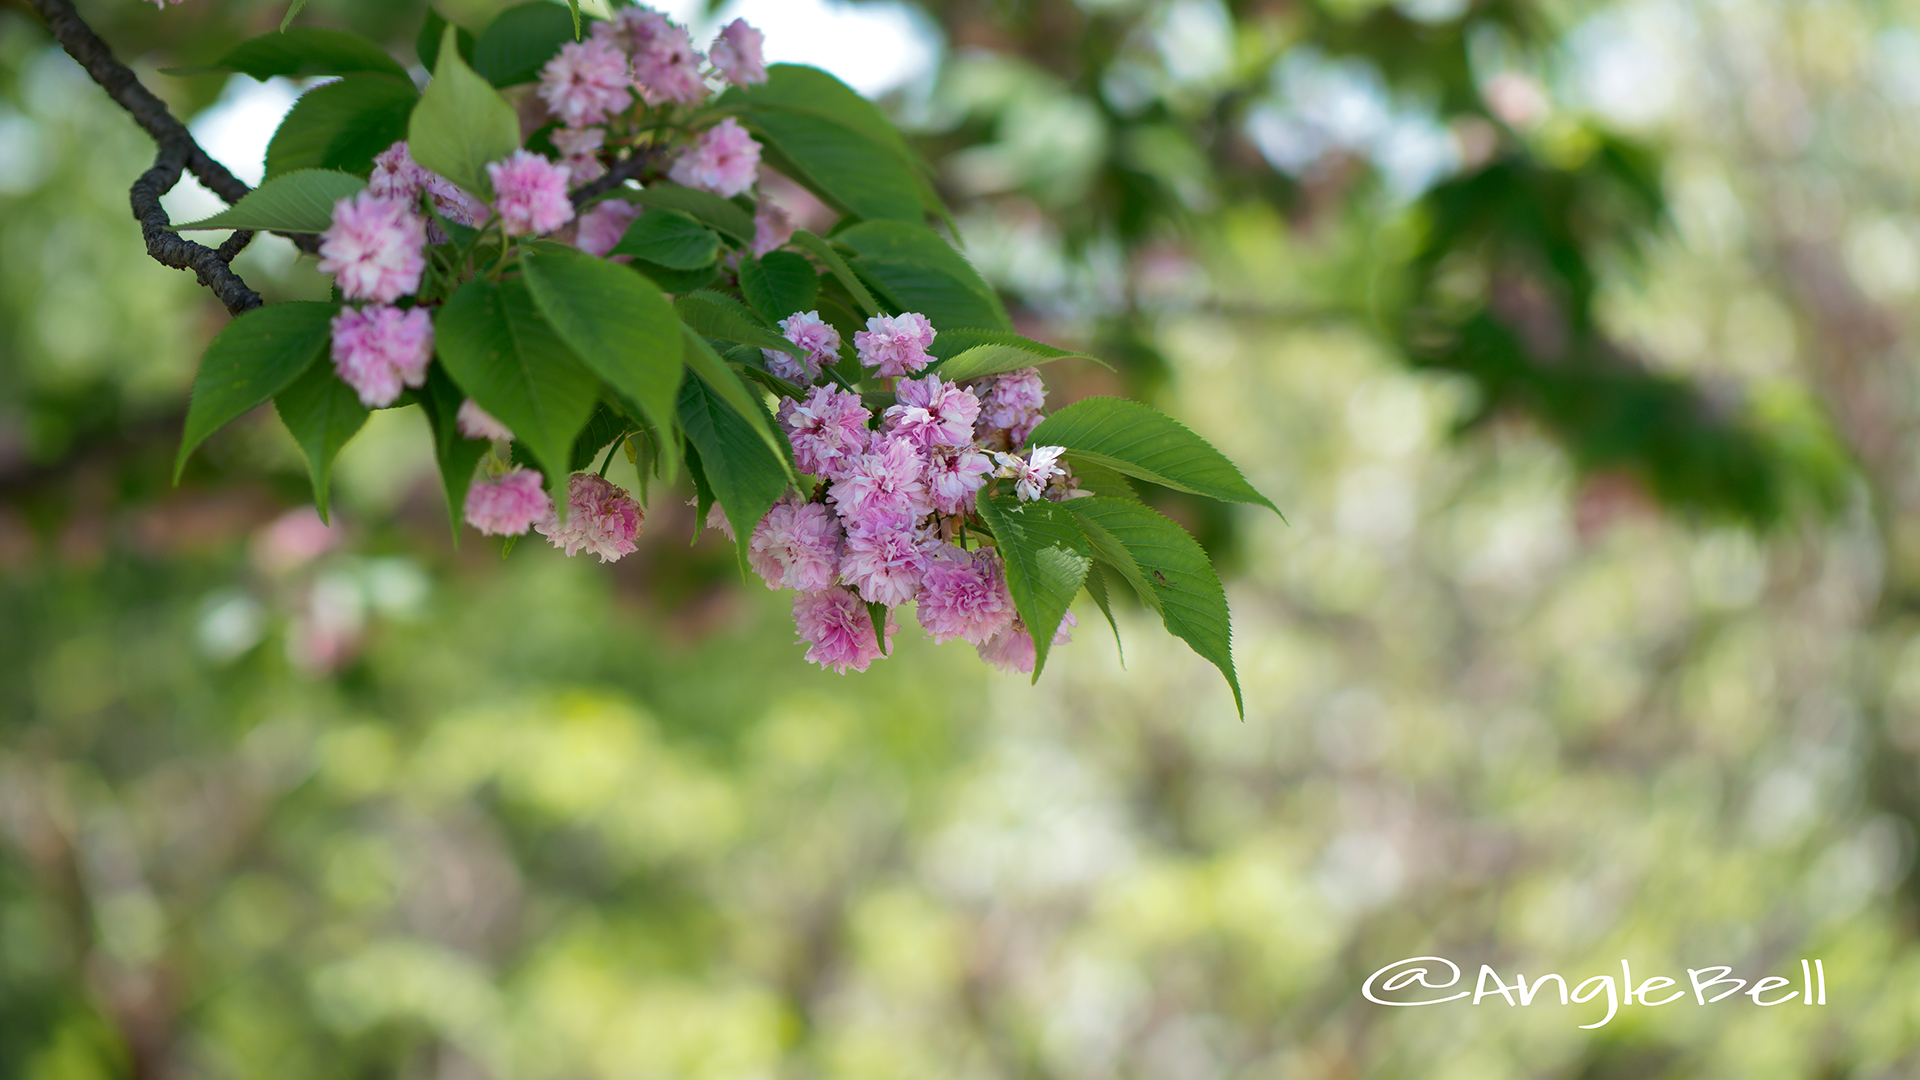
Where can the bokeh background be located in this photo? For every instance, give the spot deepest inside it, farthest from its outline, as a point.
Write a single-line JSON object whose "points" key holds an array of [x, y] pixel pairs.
{"points": [[1573, 337]]}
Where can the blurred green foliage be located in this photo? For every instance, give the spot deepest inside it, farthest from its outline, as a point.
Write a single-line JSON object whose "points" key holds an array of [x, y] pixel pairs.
{"points": [[283, 801]]}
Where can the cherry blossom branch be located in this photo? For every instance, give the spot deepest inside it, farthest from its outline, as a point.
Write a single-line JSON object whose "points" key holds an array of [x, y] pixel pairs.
{"points": [[631, 169], [178, 153]]}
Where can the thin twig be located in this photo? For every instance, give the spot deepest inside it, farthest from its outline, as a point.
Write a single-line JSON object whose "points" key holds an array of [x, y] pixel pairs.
{"points": [[631, 169], [178, 153]]}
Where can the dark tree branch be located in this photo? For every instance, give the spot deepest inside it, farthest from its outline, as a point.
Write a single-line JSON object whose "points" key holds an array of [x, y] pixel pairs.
{"points": [[178, 153], [631, 169]]}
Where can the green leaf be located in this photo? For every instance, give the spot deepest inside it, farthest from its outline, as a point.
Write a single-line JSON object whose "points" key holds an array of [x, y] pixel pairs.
{"points": [[427, 43], [614, 320], [918, 271], [798, 88], [720, 213], [1097, 588], [779, 284], [342, 125], [461, 123], [322, 413], [508, 359], [717, 315], [952, 343], [744, 474], [838, 267], [702, 493], [983, 360], [844, 167], [252, 358], [1046, 558], [724, 384], [458, 455], [604, 426], [298, 202], [877, 614], [675, 282], [520, 41], [1169, 571], [1140, 441], [292, 10], [671, 239], [1102, 481], [302, 53]]}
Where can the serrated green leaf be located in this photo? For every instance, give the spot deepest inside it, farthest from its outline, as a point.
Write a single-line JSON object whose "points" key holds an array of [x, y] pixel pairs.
{"points": [[461, 122], [1097, 588], [322, 413], [604, 426], [838, 267], [779, 284], [799, 88], [457, 455], [671, 239], [252, 358], [520, 40], [426, 44], [676, 282], [505, 356], [955, 341], [702, 492], [292, 10], [342, 125], [984, 360], [302, 52], [1046, 558], [717, 315], [614, 320], [1169, 571], [915, 270], [1101, 480], [1143, 442], [877, 614], [705, 206], [720, 379], [298, 202], [743, 473], [842, 166]]}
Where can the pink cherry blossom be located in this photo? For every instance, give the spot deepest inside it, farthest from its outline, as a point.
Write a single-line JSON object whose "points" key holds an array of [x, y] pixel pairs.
{"points": [[530, 193], [477, 423], [828, 431], [796, 546], [665, 67], [580, 152], [717, 519], [373, 248], [377, 349], [1012, 403], [896, 345], [602, 227], [1012, 649], [932, 413], [736, 52], [601, 518], [586, 82], [772, 228], [963, 595], [886, 565], [807, 330], [884, 489], [509, 504], [724, 160], [835, 623], [1031, 475], [954, 475], [397, 176]]}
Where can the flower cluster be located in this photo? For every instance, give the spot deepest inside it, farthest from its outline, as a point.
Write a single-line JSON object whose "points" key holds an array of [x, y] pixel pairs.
{"points": [[887, 524], [639, 55]]}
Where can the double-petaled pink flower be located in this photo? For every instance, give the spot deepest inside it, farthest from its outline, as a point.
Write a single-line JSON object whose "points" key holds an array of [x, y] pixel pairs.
{"points": [[586, 82], [895, 345], [601, 518], [378, 349], [373, 247], [724, 160], [508, 504], [530, 194], [838, 630]]}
